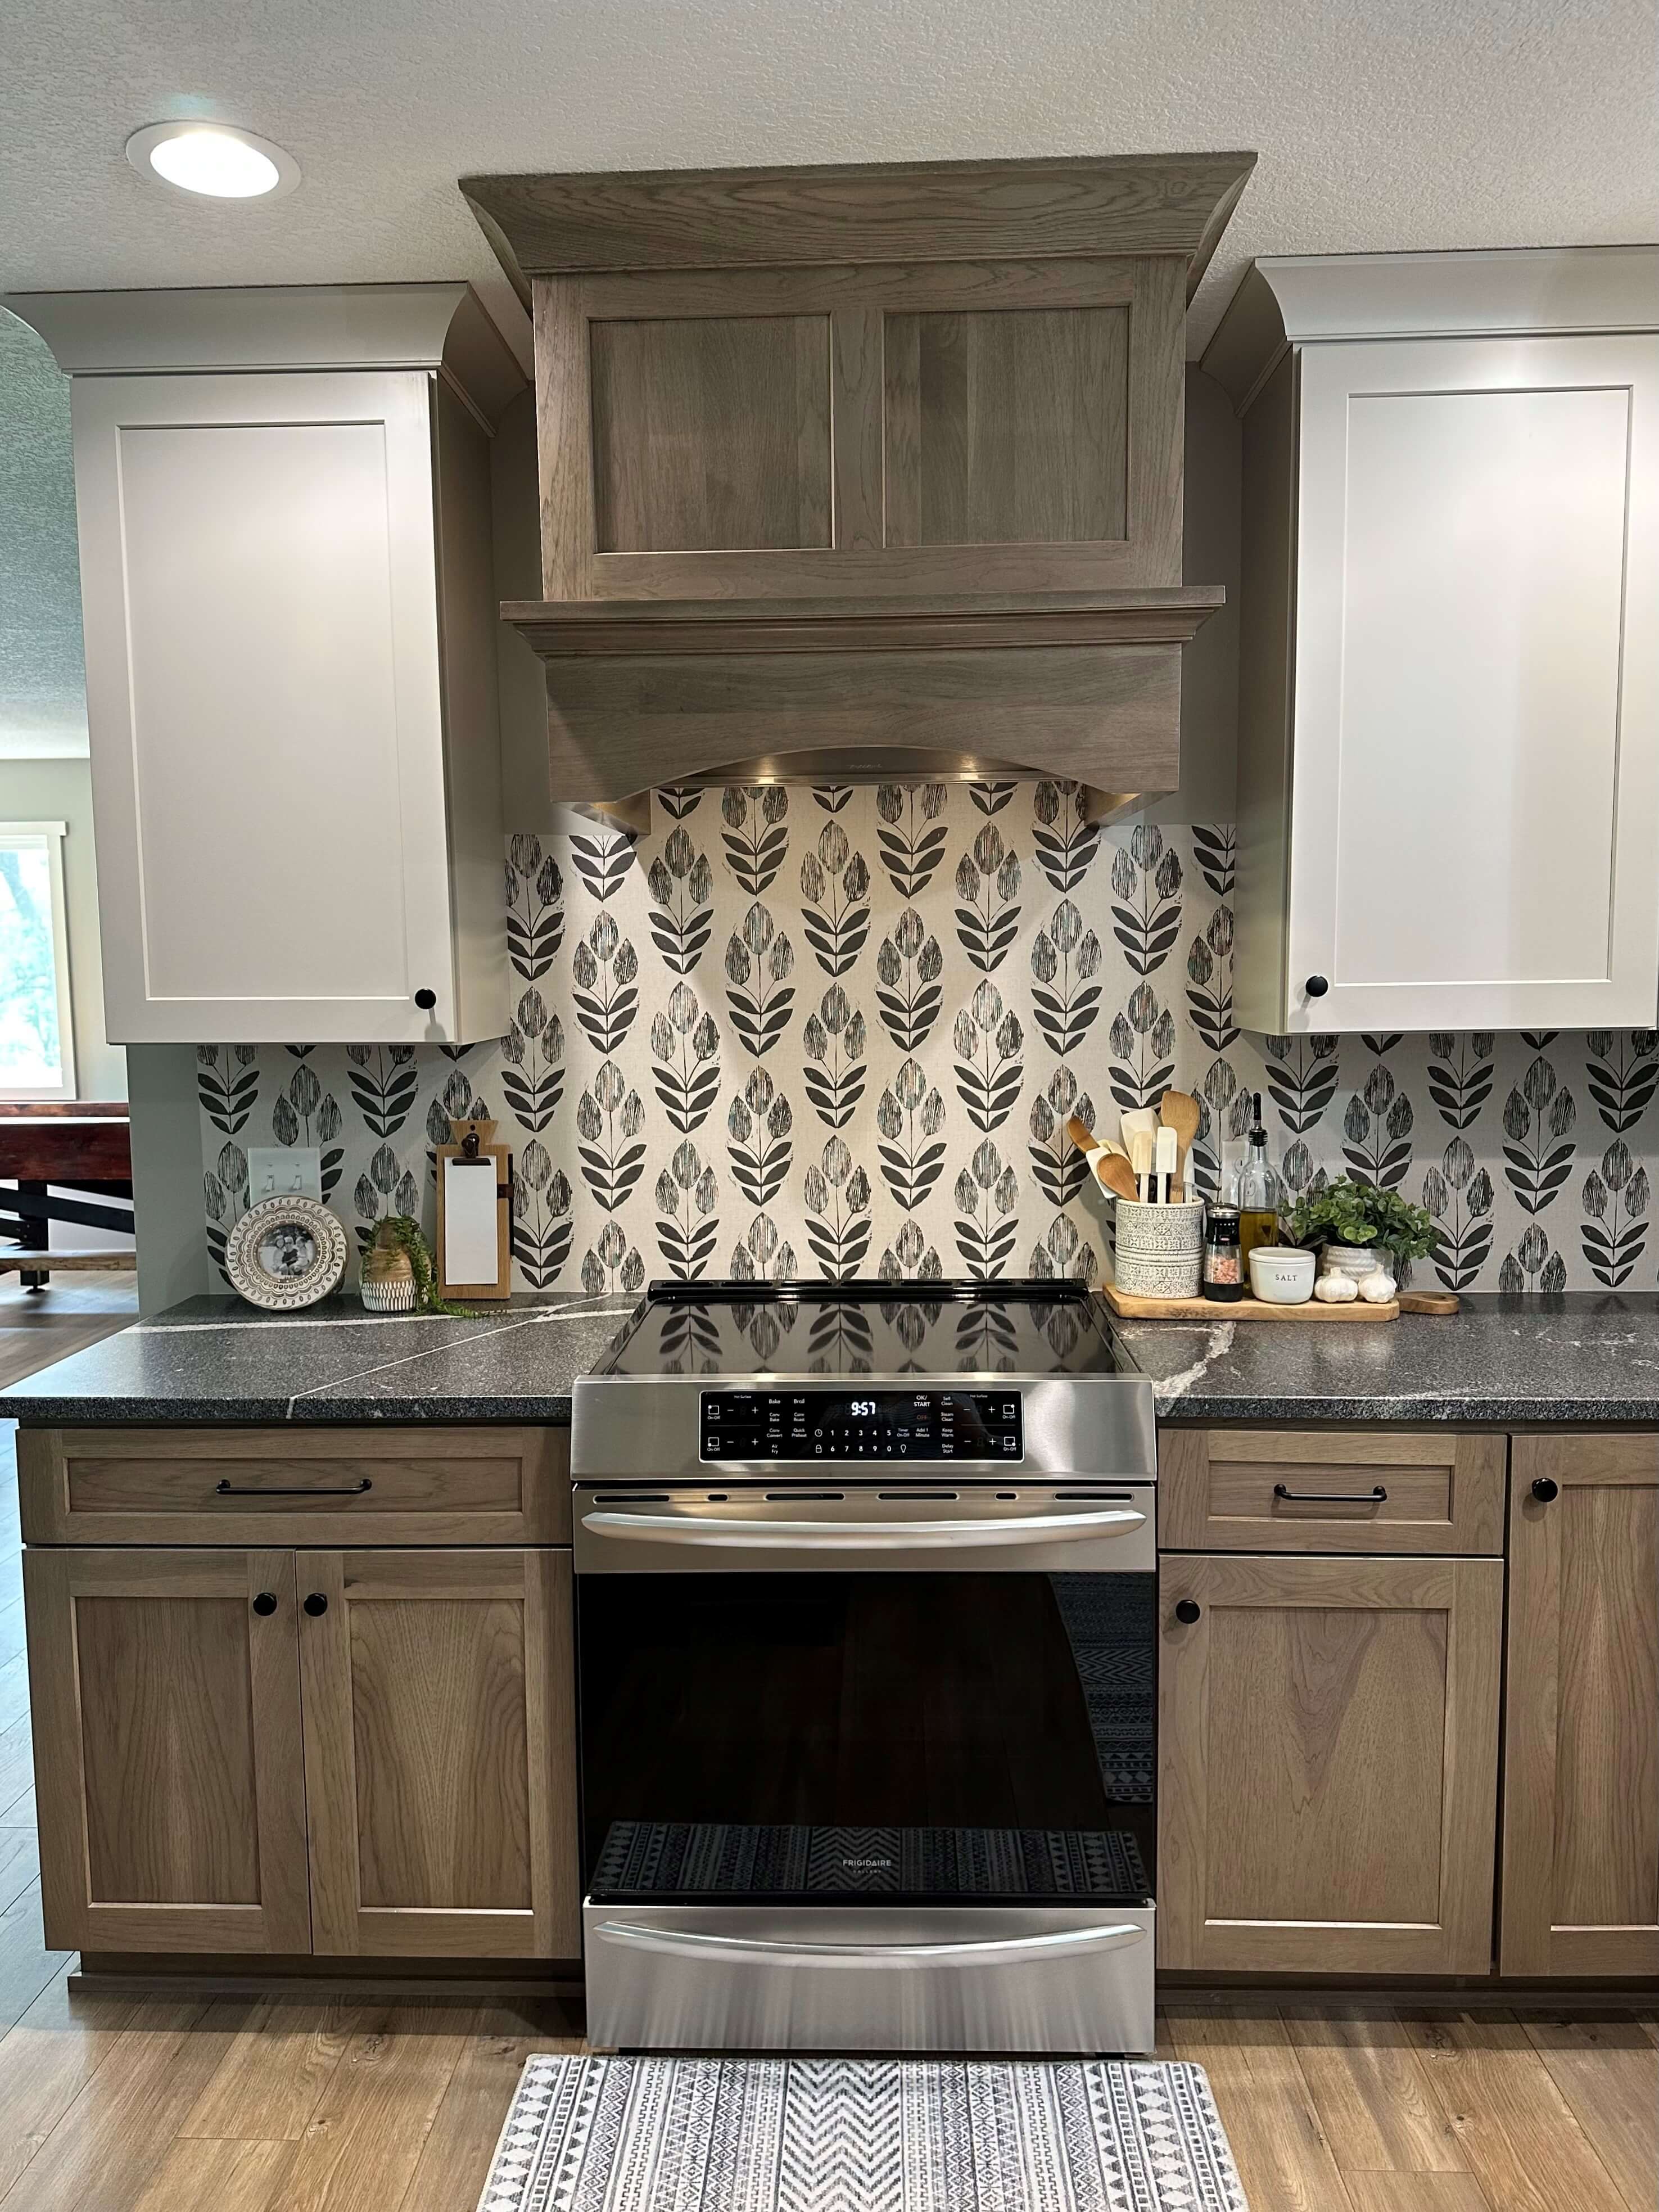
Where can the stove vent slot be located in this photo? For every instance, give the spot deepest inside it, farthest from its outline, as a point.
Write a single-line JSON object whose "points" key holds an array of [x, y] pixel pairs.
{"points": [[632, 1498], [805, 1497], [918, 1497]]}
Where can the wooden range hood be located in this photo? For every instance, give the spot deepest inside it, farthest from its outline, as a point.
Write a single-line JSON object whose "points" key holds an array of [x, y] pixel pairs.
{"points": [[862, 474]]}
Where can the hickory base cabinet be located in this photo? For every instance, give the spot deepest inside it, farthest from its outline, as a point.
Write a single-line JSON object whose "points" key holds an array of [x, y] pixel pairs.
{"points": [[169, 1770], [1580, 1890], [438, 1718], [282, 1752], [1328, 1764]]}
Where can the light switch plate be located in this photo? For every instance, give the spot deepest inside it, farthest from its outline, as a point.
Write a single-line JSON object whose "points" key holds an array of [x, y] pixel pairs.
{"points": [[284, 1171]]}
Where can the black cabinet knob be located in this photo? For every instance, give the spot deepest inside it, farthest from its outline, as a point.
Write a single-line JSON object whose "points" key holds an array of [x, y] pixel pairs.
{"points": [[1316, 986], [426, 1001], [1543, 1490], [265, 1603], [316, 1603], [1188, 1610]]}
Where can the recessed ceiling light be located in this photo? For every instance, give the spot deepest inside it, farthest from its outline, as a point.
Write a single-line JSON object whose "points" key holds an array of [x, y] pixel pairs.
{"points": [[213, 158]]}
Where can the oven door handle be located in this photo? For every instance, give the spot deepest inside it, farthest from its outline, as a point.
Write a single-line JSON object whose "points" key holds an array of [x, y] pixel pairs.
{"points": [[862, 1535], [1058, 1944]]}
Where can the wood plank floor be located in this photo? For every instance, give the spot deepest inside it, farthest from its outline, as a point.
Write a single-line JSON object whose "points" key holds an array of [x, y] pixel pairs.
{"points": [[159, 2104]]}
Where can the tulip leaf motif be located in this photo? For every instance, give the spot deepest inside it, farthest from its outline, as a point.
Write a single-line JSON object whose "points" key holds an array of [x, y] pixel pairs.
{"points": [[532, 1078], [909, 1115], [676, 800], [1065, 956], [758, 959], [837, 1194], [912, 837], [605, 975], [1142, 1039], [1063, 1253], [762, 1255], [758, 1124], [1615, 1229], [909, 993], [1621, 1075], [1460, 1075], [992, 798], [989, 1072], [611, 1264], [685, 1047], [833, 1072], [686, 1225], [602, 858], [228, 1084], [988, 1222], [535, 908], [542, 1219], [1457, 1195], [1538, 1116], [835, 885], [1147, 897], [833, 797], [1378, 1124], [682, 915], [756, 833], [910, 1259], [1058, 1170], [384, 1082], [1214, 850], [988, 901], [305, 1114], [1302, 1079], [1531, 1266], [609, 1146], [1065, 841], [1210, 983]]}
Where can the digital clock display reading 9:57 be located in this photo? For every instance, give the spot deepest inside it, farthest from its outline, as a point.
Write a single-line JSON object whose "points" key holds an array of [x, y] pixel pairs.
{"points": [[885, 1424]]}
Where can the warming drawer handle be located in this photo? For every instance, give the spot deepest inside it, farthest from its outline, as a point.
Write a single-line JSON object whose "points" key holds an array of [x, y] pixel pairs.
{"points": [[862, 1535], [1061, 1943]]}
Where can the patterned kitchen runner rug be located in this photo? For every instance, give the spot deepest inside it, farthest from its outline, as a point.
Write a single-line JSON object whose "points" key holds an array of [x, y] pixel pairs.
{"points": [[862, 2134]]}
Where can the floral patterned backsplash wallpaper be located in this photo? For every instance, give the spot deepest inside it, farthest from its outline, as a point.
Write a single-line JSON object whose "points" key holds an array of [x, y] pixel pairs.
{"points": [[831, 1031]]}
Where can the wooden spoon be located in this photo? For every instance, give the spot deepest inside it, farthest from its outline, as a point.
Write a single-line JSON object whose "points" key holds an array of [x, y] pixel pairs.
{"points": [[1087, 1141], [1117, 1176], [1180, 1112]]}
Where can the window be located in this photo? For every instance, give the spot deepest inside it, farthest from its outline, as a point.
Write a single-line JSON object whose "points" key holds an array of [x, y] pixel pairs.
{"points": [[37, 1042]]}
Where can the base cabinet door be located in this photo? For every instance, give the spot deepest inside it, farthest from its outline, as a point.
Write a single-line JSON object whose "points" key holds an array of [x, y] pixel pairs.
{"points": [[1581, 1770], [440, 1749], [1328, 1764], [164, 1690]]}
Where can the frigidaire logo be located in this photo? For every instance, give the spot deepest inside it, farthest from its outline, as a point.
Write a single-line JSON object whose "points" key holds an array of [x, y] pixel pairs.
{"points": [[866, 1862]]}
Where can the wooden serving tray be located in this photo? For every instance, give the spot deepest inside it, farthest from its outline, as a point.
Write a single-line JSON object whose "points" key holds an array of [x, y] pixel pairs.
{"points": [[1129, 1308]]}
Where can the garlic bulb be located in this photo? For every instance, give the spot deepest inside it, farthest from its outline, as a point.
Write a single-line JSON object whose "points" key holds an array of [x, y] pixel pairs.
{"points": [[1377, 1288], [1336, 1289]]}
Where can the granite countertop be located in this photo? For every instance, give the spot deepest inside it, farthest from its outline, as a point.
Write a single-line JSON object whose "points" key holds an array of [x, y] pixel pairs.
{"points": [[1564, 1361], [216, 1359]]}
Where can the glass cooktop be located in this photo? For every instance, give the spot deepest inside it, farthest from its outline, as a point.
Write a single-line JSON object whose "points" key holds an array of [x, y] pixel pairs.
{"points": [[1021, 1327]]}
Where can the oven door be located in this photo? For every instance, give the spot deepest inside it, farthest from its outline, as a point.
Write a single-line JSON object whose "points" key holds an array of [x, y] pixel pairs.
{"points": [[869, 1766]]}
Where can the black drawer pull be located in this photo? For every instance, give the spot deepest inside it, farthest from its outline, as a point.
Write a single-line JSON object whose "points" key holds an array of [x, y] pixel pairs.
{"points": [[1377, 1496], [343, 1490], [1544, 1490], [316, 1604], [1188, 1610], [265, 1604]]}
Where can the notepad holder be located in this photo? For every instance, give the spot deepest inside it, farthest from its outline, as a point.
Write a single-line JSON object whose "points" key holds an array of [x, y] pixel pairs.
{"points": [[474, 1213]]}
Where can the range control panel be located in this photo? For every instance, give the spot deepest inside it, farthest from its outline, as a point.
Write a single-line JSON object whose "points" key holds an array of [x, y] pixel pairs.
{"points": [[877, 1424]]}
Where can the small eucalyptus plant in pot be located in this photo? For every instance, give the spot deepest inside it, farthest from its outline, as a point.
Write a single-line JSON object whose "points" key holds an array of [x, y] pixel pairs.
{"points": [[1362, 1232]]}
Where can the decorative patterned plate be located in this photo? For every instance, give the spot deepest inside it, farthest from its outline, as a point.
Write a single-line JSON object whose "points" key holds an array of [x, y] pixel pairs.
{"points": [[285, 1252]]}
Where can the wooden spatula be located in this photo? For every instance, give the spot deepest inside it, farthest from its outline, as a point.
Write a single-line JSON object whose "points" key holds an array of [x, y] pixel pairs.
{"points": [[1180, 1112]]}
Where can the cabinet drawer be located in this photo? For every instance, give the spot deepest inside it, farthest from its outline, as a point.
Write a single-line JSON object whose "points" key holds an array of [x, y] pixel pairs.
{"points": [[1219, 1490], [271, 1486]]}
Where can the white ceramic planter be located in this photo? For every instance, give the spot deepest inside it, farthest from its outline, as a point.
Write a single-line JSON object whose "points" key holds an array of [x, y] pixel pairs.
{"points": [[1159, 1248]]}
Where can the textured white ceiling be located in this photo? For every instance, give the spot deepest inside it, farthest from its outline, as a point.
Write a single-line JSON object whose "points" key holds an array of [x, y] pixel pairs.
{"points": [[1380, 123]]}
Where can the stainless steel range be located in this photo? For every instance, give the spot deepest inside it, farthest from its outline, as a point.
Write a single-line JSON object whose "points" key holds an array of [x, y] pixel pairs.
{"points": [[866, 1582]]}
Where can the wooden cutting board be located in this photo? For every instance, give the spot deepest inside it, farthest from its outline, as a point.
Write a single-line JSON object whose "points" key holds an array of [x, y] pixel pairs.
{"points": [[1129, 1308]]}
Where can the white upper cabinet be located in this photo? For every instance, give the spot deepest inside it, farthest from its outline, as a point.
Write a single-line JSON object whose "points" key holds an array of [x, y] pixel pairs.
{"points": [[286, 572], [1448, 771]]}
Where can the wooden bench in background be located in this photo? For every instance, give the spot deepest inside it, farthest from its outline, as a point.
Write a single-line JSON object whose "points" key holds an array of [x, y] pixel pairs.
{"points": [[50, 1146]]}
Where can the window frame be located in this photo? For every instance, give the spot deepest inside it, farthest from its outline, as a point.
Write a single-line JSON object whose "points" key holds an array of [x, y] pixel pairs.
{"points": [[52, 833]]}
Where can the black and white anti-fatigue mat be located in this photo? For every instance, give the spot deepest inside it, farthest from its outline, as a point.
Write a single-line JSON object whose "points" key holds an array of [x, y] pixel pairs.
{"points": [[862, 2134]]}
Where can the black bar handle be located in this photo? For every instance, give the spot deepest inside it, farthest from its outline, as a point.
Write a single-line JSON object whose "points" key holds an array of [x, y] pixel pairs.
{"points": [[1375, 1496], [343, 1490]]}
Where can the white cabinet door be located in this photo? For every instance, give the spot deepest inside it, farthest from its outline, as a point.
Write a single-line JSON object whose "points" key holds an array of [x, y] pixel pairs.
{"points": [[257, 566], [1475, 837]]}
